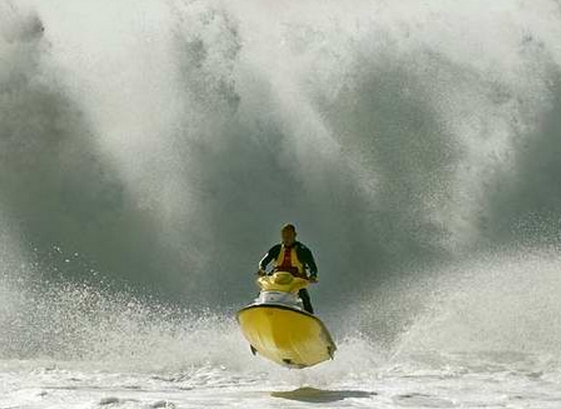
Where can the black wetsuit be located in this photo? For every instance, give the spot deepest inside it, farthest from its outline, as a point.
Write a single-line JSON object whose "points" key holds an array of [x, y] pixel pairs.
{"points": [[306, 258]]}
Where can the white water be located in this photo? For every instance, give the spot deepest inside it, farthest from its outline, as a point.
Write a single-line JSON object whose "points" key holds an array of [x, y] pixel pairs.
{"points": [[149, 151], [489, 339]]}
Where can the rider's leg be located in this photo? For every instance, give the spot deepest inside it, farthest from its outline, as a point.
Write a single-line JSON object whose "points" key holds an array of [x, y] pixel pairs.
{"points": [[305, 296]]}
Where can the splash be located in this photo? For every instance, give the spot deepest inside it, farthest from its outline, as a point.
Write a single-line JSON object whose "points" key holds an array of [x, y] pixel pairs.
{"points": [[494, 304], [163, 143]]}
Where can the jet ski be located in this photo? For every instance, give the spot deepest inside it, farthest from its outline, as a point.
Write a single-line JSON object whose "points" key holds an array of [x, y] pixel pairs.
{"points": [[278, 328]]}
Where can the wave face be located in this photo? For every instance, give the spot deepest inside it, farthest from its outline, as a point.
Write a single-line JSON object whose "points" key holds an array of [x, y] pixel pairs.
{"points": [[150, 151]]}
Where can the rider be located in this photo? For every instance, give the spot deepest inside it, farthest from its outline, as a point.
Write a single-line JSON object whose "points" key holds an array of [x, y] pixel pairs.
{"points": [[294, 257]]}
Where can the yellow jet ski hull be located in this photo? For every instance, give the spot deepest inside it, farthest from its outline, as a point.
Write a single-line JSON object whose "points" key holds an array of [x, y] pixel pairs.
{"points": [[285, 335]]}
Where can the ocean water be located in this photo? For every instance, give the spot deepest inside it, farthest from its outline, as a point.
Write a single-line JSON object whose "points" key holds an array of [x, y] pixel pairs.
{"points": [[149, 152]]}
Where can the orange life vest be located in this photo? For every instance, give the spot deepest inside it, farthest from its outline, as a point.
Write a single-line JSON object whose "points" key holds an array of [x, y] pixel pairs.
{"points": [[287, 260]]}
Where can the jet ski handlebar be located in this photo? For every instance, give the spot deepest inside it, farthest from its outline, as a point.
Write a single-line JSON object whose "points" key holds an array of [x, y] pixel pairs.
{"points": [[282, 281], [263, 273]]}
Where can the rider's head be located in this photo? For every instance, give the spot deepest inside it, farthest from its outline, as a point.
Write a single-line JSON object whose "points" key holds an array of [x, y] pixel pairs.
{"points": [[288, 234]]}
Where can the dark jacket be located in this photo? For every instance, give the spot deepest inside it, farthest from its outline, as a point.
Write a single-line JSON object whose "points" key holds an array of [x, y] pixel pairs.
{"points": [[304, 255]]}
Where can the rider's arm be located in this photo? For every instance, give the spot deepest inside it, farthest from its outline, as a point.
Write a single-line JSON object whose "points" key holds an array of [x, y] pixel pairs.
{"points": [[265, 261], [270, 256], [311, 263]]}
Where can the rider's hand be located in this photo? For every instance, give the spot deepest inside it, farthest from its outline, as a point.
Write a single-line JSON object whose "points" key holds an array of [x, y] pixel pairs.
{"points": [[313, 279], [261, 272]]}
